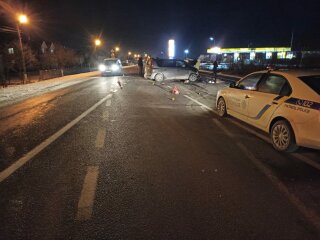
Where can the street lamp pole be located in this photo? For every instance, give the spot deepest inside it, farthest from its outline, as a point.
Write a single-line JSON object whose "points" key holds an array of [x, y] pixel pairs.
{"points": [[22, 19]]}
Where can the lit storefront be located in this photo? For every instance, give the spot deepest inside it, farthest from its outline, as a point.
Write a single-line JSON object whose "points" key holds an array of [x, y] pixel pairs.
{"points": [[251, 55]]}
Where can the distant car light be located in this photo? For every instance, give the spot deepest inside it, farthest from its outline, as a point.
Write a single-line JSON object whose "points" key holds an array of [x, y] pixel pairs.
{"points": [[102, 67], [115, 67]]}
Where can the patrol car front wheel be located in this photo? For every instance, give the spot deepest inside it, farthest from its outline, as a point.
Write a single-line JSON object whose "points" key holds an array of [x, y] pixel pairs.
{"points": [[282, 137], [222, 107]]}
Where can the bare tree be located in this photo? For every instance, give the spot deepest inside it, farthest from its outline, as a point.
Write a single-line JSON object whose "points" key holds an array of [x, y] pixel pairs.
{"points": [[64, 57], [12, 56]]}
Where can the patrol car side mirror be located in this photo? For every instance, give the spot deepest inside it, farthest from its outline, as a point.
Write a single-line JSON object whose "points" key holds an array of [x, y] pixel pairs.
{"points": [[232, 85]]}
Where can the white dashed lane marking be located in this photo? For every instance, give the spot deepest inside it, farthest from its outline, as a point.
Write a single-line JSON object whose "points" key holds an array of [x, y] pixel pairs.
{"points": [[85, 204], [108, 103], [101, 138], [105, 115], [28, 156]]}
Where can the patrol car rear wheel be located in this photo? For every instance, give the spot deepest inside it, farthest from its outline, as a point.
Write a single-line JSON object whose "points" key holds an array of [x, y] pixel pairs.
{"points": [[222, 107], [282, 137]]}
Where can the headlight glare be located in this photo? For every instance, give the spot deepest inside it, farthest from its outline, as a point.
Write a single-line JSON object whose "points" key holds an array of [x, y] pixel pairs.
{"points": [[102, 67], [115, 67]]}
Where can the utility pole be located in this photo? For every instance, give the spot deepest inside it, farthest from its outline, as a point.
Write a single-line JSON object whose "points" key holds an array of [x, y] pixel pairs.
{"points": [[292, 35], [22, 19], [25, 76]]}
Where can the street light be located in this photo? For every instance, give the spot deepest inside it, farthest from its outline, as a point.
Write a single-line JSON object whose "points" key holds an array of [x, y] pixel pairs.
{"points": [[117, 49], [212, 40], [97, 42], [22, 19], [186, 52], [129, 55]]}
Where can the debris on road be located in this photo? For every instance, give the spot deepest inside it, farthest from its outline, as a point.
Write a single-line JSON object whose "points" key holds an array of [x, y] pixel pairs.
{"points": [[175, 90], [119, 83]]}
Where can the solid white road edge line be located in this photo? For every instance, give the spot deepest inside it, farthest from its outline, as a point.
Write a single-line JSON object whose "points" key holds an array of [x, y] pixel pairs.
{"points": [[259, 135], [220, 125], [201, 104], [24, 159], [310, 215], [298, 156], [306, 160], [85, 204], [100, 138]]}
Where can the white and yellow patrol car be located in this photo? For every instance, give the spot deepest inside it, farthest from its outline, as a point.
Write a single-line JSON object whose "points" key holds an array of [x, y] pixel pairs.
{"points": [[285, 104]]}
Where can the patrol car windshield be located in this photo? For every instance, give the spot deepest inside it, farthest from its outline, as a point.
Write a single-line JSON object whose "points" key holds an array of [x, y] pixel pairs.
{"points": [[313, 82]]}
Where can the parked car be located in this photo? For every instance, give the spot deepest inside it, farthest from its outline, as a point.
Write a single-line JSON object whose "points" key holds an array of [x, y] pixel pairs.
{"points": [[111, 66], [285, 104], [170, 69]]}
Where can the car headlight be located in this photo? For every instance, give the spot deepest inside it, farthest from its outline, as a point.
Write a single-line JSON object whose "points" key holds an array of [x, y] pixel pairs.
{"points": [[102, 67], [115, 67]]}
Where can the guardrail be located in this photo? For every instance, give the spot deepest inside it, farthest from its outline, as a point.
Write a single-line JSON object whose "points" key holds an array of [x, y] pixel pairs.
{"points": [[54, 73], [224, 77]]}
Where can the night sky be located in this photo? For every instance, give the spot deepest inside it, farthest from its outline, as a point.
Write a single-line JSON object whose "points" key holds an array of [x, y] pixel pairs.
{"points": [[147, 25]]}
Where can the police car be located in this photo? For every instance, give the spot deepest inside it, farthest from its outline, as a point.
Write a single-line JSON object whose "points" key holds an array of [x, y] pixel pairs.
{"points": [[285, 104]]}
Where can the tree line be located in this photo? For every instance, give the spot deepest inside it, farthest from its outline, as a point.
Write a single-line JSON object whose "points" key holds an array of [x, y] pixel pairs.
{"points": [[59, 58]]}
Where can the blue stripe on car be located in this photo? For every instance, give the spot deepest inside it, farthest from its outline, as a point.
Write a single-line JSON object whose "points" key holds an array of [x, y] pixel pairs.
{"points": [[303, 103]]}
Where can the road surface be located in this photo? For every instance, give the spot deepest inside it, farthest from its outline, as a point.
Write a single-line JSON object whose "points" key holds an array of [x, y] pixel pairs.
{"points": [[94, 161]]}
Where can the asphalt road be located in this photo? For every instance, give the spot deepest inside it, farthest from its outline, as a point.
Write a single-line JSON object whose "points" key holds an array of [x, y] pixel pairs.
{"points": [[94, 161]]}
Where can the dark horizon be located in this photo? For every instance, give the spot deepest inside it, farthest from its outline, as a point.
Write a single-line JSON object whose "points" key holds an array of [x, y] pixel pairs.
{"points": [[144, 26]]}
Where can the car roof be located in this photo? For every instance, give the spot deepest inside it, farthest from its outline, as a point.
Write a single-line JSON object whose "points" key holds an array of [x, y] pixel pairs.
{"points": [[173, 59], [108, 59], [300, 89]]}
